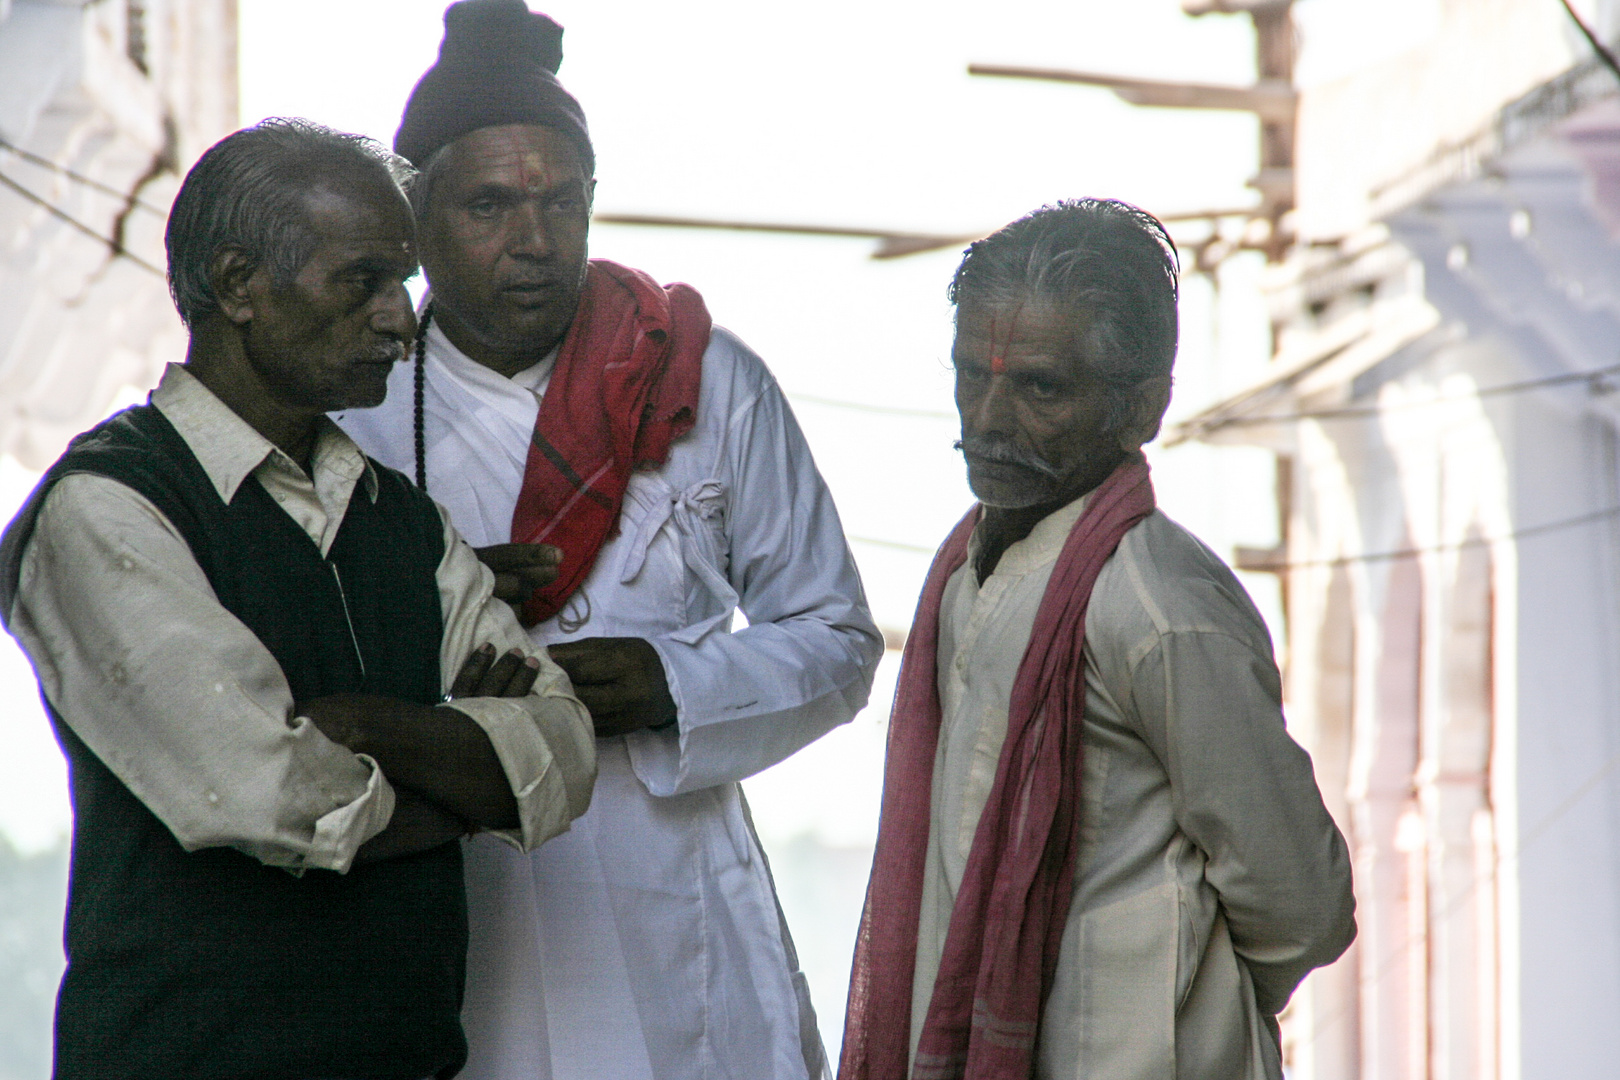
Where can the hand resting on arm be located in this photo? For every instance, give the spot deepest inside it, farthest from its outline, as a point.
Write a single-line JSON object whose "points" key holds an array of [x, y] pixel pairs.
{"points": [[447, 778], [520, 569], [621, 680]]}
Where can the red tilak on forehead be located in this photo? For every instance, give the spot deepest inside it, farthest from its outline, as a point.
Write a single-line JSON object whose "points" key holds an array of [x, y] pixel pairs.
{"points": [[1000, 345]]}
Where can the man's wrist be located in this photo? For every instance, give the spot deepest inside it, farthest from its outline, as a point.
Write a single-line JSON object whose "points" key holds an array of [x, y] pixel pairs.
{"points": [[394, 733]]}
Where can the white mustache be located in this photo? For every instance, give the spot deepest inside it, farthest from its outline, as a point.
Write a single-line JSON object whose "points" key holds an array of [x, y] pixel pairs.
{"points": [[1001, 451]]}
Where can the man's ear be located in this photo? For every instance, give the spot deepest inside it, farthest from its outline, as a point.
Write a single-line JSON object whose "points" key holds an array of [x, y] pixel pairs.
{"points": [[230, 273], [1153, 398]]}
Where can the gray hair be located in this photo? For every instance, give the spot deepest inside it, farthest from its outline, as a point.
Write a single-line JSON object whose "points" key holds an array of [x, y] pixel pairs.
{"points": [[247, 192], [1109, 264]]}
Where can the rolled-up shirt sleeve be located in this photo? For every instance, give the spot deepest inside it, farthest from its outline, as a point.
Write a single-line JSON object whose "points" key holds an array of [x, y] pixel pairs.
{"points": [[545, 741], [175, 695]]}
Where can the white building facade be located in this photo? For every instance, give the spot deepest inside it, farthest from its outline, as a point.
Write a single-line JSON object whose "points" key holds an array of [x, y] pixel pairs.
{"points": [[1446, 392], [103, 106]]}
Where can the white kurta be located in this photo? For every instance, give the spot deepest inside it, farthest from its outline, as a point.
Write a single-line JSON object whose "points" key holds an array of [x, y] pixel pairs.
{"points": [[1210, 877], [647, 943]]}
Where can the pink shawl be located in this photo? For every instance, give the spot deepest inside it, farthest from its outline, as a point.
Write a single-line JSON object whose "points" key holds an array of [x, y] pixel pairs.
{"points": [[1006, 927]]}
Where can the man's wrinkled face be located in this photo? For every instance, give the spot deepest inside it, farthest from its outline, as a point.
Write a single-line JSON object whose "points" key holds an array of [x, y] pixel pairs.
{"points": [[1032, 416], [327, 339], [504, 240]]}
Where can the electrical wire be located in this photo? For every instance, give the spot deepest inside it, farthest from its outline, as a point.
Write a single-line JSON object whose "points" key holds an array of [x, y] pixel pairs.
{"points": [[1436, 549], [1365, 557], [116, 248], [87, 181], [1594, 377], [897, 545], [1592, 39], [1400, 952]]}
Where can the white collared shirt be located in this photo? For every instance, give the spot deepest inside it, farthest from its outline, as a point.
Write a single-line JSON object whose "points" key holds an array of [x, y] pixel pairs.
{"points": [[190, 710]]}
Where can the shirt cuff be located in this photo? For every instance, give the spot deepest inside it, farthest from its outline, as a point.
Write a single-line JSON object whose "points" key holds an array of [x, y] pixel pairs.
{"points": [[339, 833], [547, 747]]}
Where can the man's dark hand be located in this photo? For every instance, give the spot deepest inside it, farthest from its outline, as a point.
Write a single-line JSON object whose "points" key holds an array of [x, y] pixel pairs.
{"points": [[482, 675], [620, 680], [520, 569], [436, 752], [358, 721], [417, 825]]}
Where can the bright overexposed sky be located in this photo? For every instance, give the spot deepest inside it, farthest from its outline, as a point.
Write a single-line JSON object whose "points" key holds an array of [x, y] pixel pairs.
{"points": [[848, 112]]}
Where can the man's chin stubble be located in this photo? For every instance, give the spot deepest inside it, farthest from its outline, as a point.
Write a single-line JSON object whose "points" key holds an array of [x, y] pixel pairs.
{"points": [[1009, 496]]}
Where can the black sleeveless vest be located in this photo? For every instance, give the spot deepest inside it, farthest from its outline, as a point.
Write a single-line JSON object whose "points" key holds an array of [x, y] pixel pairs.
{"points": [[210, 964]]}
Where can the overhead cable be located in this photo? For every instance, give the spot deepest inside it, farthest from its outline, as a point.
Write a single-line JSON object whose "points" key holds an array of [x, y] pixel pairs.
{"points": [[861, 406], [1436, 549], [1592, 39], [1454, 904], [1594, 377], [87, 181], [1364, 557], [897, 545], [112, 245]]}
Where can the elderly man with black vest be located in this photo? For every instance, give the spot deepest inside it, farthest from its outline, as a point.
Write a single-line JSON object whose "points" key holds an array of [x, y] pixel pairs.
{"points": [[245, 632], [578, 405]]}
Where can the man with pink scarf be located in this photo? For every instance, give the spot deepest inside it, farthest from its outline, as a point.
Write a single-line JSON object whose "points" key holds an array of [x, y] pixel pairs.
{"points": [[1101, 855]]}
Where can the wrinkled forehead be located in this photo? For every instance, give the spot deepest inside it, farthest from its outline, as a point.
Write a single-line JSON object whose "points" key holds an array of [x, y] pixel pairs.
{"points": [[1023, 324], [353, 211]]}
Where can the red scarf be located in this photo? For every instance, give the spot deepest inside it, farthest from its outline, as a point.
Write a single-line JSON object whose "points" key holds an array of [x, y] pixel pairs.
{"points": [[625, 387], [1001, 949]]}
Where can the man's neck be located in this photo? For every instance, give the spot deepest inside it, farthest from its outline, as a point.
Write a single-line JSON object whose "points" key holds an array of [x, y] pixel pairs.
{"points": [[231, 380], [503, 361], [1000, 528]]}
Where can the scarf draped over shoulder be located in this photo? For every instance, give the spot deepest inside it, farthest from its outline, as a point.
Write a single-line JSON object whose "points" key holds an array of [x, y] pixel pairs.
{"points": [[1006, 928], [624, 388]]}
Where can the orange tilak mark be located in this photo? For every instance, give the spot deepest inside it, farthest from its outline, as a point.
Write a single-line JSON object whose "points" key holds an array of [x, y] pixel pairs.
{"points": [[998, 365]]}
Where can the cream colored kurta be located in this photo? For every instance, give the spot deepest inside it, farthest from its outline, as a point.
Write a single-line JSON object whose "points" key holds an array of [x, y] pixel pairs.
{"points": [[1210, 877]]}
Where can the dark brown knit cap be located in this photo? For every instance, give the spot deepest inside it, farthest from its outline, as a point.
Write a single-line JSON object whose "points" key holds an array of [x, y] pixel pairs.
{"points": [[497, 65]]}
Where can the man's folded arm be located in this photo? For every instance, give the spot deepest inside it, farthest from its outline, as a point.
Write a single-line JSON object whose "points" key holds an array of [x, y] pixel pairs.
{"points": [[175, 695], [543, 741], [417, 825], [1245, 793]]}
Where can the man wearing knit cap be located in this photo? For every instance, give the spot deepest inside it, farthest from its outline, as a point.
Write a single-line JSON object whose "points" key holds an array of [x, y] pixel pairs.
{"points": [[595, 434]]}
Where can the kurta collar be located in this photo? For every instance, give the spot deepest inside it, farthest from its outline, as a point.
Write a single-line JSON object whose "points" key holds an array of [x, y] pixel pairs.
{"points": [[1041, 547], [230, 450], [534, 378]]}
